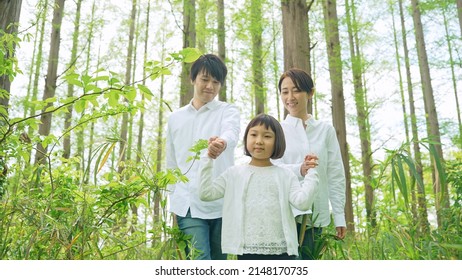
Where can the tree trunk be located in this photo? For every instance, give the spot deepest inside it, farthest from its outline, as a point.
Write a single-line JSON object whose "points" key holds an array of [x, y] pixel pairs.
{"points": [[9, 20], [296, 40], [421, 200], [276, 72], [361, 111], [453, 73], [221, 32], [128, 79], [256, 30], [70, 87], [37, 63], [80, 133], [145, 59], [440, 188], [338, 101], [50, 80], [189, 41], [405, 115], [459, 14]]}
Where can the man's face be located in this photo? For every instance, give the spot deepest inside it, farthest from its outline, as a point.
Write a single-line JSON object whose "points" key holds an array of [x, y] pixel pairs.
{"points": [[205, 88]]}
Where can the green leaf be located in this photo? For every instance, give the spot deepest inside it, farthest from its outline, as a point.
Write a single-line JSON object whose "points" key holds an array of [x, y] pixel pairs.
{"points": [[190, 54], [49, 109], [145, 89], [79, 106], [130, 94], [200, 145], [113, 98]]}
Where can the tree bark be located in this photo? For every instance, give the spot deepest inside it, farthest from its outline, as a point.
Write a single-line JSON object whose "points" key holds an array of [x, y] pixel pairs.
{"points": [[189, 41], [10, 10], [361, 111], [50, 80], [296, 39], [221, 38], [256, 30], [421, 200], [338, 101], [440, 188], [128, 78], [70, 87]]}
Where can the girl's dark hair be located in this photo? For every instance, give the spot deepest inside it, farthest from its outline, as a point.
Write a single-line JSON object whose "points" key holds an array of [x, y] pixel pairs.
{"points": [[300, 78], [211, 65], [269, 122]]}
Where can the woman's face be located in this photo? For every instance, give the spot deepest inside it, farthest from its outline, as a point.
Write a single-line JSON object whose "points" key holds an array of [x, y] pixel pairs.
{"points": [[295, 101]]}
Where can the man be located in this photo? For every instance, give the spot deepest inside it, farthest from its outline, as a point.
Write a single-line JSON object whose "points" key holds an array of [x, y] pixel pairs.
{"points": [[219, 123]]}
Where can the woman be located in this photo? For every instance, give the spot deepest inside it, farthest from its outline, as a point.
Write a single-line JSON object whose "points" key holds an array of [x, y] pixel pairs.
{"points": [[308, 139]]}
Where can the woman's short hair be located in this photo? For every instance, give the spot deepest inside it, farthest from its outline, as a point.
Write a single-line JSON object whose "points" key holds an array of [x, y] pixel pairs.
{"points": [[211, 65], [269, 122], [300, 78]]}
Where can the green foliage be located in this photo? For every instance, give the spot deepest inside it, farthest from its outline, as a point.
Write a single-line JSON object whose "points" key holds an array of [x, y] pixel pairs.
{"points": [[52, 212], [197, 148], [8, 62], [52, 215]]}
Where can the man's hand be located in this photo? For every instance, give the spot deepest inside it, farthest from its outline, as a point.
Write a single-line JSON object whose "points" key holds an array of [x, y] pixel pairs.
{"points": [[216, 147]]}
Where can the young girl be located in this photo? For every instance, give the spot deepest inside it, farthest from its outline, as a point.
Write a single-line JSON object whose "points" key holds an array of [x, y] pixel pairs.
{"points": [[257, 218]]}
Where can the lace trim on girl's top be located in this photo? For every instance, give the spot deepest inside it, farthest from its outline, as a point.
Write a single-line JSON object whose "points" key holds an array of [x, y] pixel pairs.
{"points": [[266, 249]]}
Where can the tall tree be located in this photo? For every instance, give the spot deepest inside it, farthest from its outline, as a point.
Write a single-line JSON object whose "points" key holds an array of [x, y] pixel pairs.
{"points": [[202, 30], [36, 64], [433, 128], [9, 21], [128, 79], [70, 86], [459, 13], [276, 72], [357, 66], [338, 100], [256, 33], [452, 63], [80, 132], [145, 59], [189, 40], [295, 34], [403, 106], [420, 193], [50, 81], [221, 38]]}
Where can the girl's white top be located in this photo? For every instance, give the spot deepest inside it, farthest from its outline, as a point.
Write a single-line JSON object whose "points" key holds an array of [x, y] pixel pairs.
{"points": [[257, 213]]}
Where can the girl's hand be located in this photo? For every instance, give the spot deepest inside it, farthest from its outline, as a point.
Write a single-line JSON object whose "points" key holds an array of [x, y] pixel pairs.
{"points": [[311, 161], [216, 147]]}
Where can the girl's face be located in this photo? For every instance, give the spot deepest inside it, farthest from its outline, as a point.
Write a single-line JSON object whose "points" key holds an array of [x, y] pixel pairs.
{"points": [[294, 100], [260, 144]]}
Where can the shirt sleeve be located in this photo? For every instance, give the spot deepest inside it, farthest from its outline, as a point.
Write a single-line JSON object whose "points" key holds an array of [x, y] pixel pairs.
{"points": [[231, 125], [336, 179], [170, 151], [302, 197], [294, 167], [210, 190]]}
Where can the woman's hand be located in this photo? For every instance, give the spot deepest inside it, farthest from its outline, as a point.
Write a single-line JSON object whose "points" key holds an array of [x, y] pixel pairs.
{"points": [[311, 161]]}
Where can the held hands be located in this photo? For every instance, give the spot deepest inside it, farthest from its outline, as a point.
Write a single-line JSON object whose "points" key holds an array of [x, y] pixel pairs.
{"points": [[216, 147], [311, 161]]}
